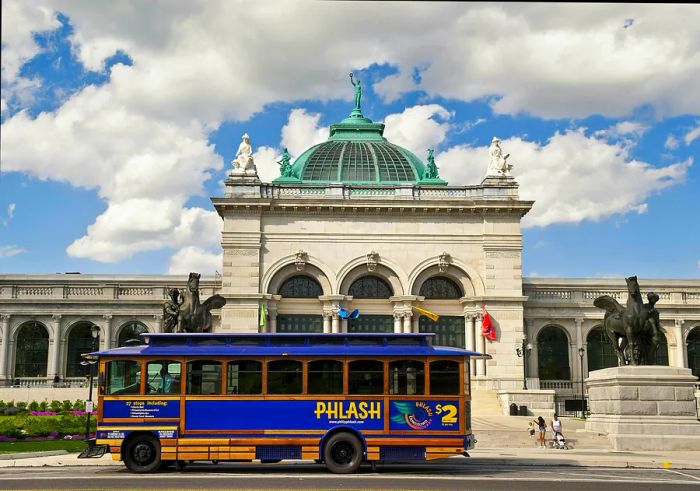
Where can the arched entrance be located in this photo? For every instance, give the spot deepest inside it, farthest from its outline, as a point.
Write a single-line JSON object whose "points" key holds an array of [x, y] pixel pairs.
{"points": [[661, 357], [694, 350], [32, 353], [299, 287], [371, 288], [130, 330], [553, 354], [600, 350], [449, 330], [80, 341]]}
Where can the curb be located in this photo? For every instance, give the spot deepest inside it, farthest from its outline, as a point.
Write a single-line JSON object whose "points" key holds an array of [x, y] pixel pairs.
{"points": [[29, 455]]}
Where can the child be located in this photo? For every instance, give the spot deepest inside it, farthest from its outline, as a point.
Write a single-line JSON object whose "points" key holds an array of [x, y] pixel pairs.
{"points": [[531, 428]]}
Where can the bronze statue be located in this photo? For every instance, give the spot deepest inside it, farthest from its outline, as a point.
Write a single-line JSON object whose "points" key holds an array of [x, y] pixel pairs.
{"points": [[191, 316], [634, 329], [171, 308]]}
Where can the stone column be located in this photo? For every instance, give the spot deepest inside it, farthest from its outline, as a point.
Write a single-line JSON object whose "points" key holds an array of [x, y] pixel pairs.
{"points": [[335, 323], [4, 343], [469, 339], [272, 325], [327, 322], [680, 360], [55, 347], [481, 348], [397, 322], [579, 344], [407, 317], [158, 322], [107, 330]]}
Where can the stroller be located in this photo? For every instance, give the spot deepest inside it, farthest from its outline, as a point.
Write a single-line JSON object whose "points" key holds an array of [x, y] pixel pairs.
{"points": [[559, 441]]}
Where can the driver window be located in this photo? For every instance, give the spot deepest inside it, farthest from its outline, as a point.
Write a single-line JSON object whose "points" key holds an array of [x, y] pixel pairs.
{"points": [[163, 377], [123, 377]]}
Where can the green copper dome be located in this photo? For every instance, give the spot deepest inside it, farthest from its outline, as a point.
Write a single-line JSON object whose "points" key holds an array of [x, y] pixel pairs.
{"points": [[356, 152]]}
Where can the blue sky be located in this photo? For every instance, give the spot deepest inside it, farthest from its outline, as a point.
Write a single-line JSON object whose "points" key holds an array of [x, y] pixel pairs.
{"points": [[119, 122]]}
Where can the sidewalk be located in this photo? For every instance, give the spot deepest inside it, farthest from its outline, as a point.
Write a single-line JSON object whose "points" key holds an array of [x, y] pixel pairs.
{"points": [[483, 456]]}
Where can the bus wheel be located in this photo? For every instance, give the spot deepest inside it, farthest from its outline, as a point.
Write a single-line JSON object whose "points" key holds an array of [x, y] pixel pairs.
{"points": [[142, 454], [343, 453]]}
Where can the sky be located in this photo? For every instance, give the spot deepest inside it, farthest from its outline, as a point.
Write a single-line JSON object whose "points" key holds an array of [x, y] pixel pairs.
{"points": [[120, 120]]}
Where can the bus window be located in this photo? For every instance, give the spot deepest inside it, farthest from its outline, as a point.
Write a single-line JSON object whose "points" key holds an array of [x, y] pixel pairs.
{"points": [[163, 377], [244, 377], [123, 377], [284, 377], [444, 377], [325, 377], [204, 377], [407, 377], [366, 377]]}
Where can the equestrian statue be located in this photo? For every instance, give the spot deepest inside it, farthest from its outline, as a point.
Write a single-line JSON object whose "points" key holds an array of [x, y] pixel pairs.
{"points": [[634, 329], [184, 313]]}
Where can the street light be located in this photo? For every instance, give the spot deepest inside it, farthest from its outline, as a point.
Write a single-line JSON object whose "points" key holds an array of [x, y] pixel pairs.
{"points": [[90, 361], [583, 398], [524, 351]]}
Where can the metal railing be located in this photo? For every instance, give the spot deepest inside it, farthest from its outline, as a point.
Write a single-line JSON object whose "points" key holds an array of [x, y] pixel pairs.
{"points": [[37, 382]]}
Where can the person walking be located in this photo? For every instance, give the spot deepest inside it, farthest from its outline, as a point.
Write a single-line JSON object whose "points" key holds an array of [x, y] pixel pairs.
{"points": [[542, 426], [556, 424]]}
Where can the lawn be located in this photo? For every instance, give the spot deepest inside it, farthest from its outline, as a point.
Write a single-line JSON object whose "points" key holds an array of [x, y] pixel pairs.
{"points": [[41, 446]]}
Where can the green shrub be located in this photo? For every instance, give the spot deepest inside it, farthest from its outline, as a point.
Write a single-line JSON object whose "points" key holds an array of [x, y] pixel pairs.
{"points": [[40, 426], [55, 406], [79, 405], [67, 406], [33, 406], [11, 404], [9, 427], [43, 406], [22, 405]]}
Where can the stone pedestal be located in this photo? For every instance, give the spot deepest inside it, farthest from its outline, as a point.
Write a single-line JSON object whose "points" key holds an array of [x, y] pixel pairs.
{"points": [[644, 407], [538, 402]]}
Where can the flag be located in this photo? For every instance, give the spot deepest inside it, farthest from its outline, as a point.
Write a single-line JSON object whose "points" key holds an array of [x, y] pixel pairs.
{"points": [[431, 315], [487, 329], [263, 316], [344, 314]]}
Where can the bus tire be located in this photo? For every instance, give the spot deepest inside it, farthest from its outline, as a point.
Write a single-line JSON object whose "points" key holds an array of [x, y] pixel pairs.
{"points": [[342, 453], [141, 454]]}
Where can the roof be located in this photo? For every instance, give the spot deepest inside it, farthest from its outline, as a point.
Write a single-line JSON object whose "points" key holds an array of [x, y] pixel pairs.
{"points": [[223, 344], [357, 152]]}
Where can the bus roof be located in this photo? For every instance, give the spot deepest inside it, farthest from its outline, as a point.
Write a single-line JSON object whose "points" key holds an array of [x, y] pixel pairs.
{"points": [[279, 344]]}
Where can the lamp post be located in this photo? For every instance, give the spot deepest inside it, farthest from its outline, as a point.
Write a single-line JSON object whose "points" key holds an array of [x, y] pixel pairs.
{"points": [[524, 351], [581, 351], [90, 361]]}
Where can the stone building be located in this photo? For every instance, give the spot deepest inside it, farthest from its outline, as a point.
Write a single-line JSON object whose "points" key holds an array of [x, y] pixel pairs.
{"points": [[357, 222]]}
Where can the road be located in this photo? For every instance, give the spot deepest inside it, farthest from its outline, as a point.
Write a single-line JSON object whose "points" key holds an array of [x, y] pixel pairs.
{"points": [[460, 474]]}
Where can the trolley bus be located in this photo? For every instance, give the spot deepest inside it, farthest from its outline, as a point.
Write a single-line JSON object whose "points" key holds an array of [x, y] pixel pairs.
{"points": [[338, 399]]}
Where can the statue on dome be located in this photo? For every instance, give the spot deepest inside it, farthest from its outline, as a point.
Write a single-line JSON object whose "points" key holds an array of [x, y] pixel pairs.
{"points": [[432, 171], [358, 91], [498, 166], [243, 163], [285, 166]]}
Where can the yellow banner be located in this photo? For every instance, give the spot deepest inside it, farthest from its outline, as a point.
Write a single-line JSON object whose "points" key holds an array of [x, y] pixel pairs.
{"points": [[431, 315]]}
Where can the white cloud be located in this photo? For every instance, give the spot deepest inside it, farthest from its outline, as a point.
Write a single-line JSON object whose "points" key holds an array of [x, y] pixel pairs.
{"points": [[417, 129], [195, 259], [572, 177], [10, 250], [671, 142], [633, 129], [302, 131], [692, 135], [266, 159]]}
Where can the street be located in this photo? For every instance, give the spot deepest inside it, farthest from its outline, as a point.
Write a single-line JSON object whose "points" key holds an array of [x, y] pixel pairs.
{"points": [[449, 474]]}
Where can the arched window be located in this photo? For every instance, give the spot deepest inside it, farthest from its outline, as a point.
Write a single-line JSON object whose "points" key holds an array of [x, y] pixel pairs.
{"points": [[553, 354], [370, 287], [601, 352], [80, 341], [129, 331], [440, 288], [32, 350], [694, 351], [300, 286], [661, 357], [449, 330]]}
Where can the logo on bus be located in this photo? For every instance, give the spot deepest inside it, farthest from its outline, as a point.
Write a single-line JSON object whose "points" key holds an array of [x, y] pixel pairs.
{"points": [[416, 415], [348, 410]]}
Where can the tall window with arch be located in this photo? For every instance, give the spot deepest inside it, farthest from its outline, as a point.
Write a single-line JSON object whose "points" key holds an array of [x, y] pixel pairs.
{"points": [[80, 341], [32, 350], [553, 354], [299, 287], [371, 288], [600, 350], [693, 343]]}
